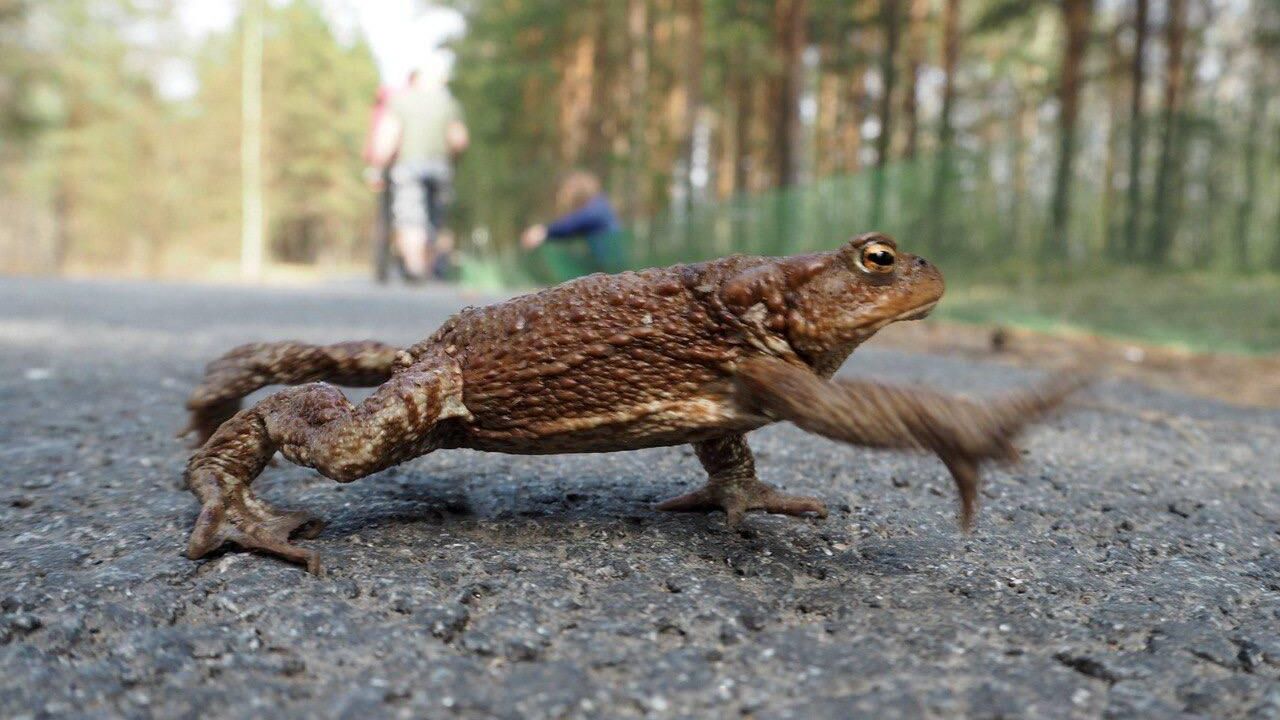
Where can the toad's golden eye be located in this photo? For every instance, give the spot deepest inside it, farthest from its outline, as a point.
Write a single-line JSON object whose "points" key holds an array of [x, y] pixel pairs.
{"points": [[878, 258]]}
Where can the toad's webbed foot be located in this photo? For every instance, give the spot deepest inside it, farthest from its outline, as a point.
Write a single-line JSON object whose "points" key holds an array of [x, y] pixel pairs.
{"points": [[733, 486], [738, 498], [315, 426], [248, 522], [250, 367], [220, 473]]}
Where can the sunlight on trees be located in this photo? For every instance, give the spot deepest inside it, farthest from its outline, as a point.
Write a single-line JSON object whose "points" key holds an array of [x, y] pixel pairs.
{"points": [[100, 173], [1012, 137]]}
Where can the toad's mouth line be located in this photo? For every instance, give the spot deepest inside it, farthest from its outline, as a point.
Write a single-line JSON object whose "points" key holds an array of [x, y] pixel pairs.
{"points": [[917, 313]]}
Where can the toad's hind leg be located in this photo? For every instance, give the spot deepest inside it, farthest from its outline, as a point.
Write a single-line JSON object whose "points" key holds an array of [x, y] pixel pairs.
{"points": [[734, 488], [315, 426], [244, 369]]}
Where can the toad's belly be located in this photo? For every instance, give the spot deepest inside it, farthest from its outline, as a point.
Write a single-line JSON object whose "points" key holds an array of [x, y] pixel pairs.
{"points": [[654, 424]]}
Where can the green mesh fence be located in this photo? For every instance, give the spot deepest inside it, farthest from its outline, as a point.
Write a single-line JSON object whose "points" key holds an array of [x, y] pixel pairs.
{"points": [[970, 214], [988, 228]]}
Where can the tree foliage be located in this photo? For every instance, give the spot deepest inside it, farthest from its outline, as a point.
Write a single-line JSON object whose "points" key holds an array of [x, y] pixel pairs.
{"points": [[1029, 102], [107, 173], [1042, 134]]}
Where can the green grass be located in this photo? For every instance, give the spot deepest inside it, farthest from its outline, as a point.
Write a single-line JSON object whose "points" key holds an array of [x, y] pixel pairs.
{"points": [[1200, 312]]}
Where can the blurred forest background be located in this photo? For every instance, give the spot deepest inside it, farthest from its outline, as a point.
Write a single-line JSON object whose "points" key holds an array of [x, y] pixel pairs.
{"points": [[1109, 164]]}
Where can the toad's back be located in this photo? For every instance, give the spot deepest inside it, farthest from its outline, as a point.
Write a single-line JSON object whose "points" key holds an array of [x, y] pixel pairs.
{"points": [[606, 362]]}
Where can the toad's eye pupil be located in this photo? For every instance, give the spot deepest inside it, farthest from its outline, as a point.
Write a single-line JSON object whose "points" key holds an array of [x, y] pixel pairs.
{"points": [[883, 258]]}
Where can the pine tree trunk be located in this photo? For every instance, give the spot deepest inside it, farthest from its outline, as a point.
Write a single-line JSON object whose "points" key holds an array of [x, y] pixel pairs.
{"points": [[1077, 16], [890, 22], [789, 37], [852, 102], [1024, 122], [744, 94], [827, 130], [915, 58], [764, 161], [577, 83], [1115, 102], [940, 195], [1243, 222], [693, 99], [671, 57], [1137, 130], [1161, 242], [723, 154], [638, 90], [1184, 136], [1275, 230], [598, 135]]}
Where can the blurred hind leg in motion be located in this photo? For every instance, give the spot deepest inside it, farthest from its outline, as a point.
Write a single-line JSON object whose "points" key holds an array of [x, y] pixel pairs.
{"points": [[315, 426], [247, 368]]}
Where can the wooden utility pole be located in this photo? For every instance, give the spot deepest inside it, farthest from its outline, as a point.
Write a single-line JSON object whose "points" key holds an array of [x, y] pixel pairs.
{"points": [[252, 214]]}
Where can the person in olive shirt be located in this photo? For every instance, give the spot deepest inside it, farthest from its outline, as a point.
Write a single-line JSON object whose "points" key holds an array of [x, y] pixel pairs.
{"points": [[417, 138]]}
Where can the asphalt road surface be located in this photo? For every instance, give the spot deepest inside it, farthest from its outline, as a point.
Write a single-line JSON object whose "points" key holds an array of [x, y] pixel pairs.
{"points": [[1129, 568]]}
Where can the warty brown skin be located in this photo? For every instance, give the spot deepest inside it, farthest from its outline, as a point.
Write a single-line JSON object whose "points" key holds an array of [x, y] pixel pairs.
{"points": [[699, 354]]}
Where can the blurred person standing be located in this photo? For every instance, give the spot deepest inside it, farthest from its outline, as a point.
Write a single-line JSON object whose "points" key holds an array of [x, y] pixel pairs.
{"points": [[376, 177], [417, 139], [586, 214]]}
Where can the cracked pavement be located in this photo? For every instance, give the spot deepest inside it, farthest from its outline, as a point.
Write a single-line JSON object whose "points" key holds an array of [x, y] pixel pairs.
{"points": [[1130, 567]]}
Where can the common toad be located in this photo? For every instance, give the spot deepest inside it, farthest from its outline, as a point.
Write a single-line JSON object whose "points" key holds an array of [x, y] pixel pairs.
{"points": [[699, 354]]}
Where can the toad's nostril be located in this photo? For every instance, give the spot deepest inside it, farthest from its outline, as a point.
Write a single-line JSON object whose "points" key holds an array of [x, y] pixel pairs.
{"points": [[921, 262]]}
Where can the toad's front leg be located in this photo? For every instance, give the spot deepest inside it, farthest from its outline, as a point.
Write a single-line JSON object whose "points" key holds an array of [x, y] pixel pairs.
{"points": [[734, 488], [963, 433], [315, 426]]}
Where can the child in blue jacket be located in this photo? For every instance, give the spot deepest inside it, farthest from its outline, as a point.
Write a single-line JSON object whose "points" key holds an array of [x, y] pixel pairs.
{"points": [[588, 215]]}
